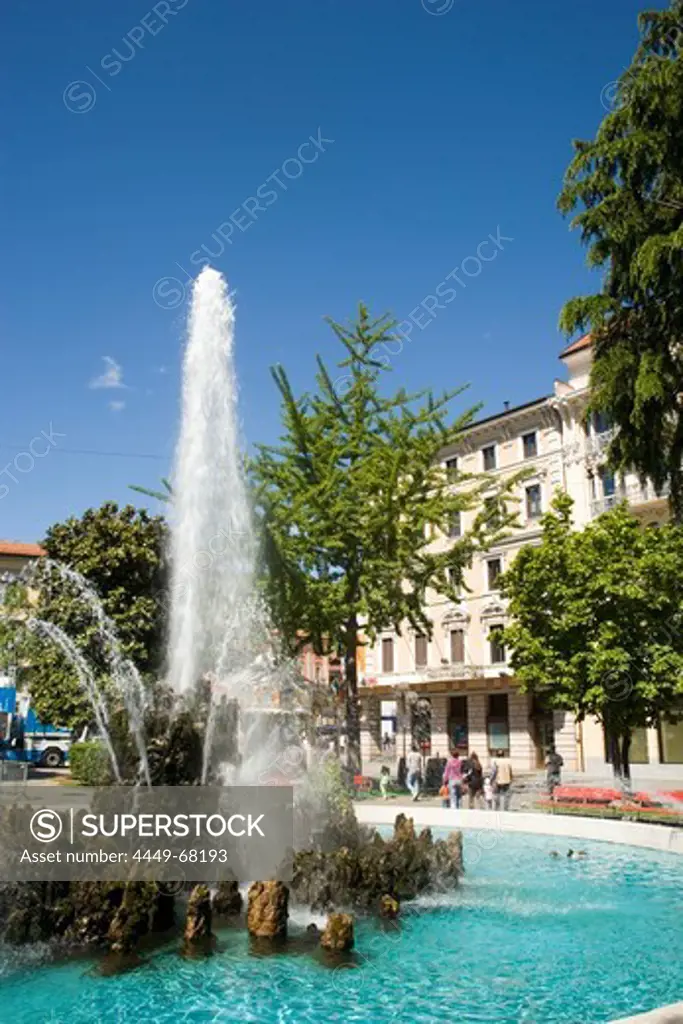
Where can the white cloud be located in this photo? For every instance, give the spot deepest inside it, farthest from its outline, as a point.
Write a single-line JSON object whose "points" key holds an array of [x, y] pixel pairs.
{"points": [[117, 406], [112, 376]]}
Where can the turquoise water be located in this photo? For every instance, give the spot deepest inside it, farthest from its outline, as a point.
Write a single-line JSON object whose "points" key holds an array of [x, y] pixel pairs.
{"points": [[526, 938]]}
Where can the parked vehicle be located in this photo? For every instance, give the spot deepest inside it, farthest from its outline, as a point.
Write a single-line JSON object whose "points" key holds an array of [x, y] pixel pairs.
{"points": [[23, 737]]}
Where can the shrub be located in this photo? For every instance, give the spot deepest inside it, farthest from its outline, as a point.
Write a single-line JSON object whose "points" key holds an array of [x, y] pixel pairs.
{"points": [[89, 763]]}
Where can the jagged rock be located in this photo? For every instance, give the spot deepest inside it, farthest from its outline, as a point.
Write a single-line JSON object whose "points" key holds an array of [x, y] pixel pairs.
{"points": [[89, 909], [227, 899], [404, 828], [338, 933], [446, 861], [198, 920], [389, 907], [401, 867], [27, 911], [84, 913], [134, 917], [268, 910]]}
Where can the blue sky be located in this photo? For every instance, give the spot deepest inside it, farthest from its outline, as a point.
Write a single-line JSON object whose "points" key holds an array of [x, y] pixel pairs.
{"points": [[134, 130]]}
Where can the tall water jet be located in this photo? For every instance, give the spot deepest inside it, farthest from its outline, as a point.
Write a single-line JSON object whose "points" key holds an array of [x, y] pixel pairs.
{"points": [[212, 549]]}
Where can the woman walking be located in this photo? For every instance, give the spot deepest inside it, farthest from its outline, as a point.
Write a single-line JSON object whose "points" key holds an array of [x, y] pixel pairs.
{"points": [[475, 780], [452, 777]]}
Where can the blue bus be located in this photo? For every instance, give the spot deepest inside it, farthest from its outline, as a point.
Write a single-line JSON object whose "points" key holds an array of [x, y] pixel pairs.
{"points": [[23, 737]]}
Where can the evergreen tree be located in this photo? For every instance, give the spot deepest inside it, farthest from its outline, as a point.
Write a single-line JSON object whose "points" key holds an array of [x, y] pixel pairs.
{"points": [[597, 621], [628, 186], [349, 501]]}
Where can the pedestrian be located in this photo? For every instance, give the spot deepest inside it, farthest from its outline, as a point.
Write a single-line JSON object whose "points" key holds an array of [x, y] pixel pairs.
{"points": [[553, 765], [475, 780], [488, 791], [384, 780], [452, 777], [503, 780], [414, 771]]}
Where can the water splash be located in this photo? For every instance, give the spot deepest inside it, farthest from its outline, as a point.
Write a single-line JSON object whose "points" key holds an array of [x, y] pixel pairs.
{"points": [[124, 674], [85, 678]]}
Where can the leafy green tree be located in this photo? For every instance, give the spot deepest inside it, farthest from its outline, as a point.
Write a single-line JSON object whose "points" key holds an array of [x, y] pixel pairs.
{"points": [[627, 185], [121, 554], [597, 621], [348, 502]]}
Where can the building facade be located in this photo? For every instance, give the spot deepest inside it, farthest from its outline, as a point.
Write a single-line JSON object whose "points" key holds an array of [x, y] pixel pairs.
{"points": [[456, 688]]}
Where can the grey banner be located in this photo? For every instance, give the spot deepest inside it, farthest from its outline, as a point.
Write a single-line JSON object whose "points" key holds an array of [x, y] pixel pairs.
{"points": [[166, 834]]}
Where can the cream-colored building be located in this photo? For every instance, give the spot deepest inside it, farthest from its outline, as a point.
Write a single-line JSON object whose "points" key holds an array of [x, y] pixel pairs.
{"points": [[457, 688]]}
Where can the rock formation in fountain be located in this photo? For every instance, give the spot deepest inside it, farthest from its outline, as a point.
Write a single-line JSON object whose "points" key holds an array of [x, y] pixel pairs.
{"points": [[268, 909], [143, 909], [361, 875], [199, 917], [227, 900], [106, 914], [389, 907], [338, 936]]}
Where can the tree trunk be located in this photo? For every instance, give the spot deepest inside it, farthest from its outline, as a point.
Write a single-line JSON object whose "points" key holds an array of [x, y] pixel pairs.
{"points": [[353, 759], [625, 762], [614, 753]]}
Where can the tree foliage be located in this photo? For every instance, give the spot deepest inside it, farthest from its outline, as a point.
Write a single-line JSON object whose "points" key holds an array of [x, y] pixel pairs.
{"points": [[348, 502], [597, 620], [166, 495], [627, 184], [121, 554]]}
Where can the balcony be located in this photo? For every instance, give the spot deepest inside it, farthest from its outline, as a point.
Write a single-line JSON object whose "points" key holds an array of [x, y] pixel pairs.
{"points": [[634, 494], [597, 444]]}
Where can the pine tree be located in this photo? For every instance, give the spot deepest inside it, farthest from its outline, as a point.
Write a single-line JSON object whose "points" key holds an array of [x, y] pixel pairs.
{"points": [[628, 186], [348, 503]]}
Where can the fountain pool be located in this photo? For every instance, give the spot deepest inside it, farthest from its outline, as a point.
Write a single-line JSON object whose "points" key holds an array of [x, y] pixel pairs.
{"points": [[525, 938]]}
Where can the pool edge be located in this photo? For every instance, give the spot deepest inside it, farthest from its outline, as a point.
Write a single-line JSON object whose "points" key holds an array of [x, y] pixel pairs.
{"points": [[627, 833]]}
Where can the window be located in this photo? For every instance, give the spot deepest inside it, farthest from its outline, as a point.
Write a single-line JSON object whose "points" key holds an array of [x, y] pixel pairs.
{"points": [[601, 423], [489, 457], [389, 721], [457, 646], [496, 645], [454, 579], [498, 724], [420, 651], [529, 445], [451, 469], [494, 568], [609, 485], [457, 723], [455, 525], [671, 737], [533, 501], [387, 654]]}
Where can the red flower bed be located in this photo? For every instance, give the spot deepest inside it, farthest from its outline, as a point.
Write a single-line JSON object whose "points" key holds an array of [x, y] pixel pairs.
{"points": [[599, 795]]}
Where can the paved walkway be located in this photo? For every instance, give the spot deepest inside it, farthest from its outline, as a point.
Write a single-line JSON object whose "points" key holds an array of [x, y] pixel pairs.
{"points": [[529, 788]]}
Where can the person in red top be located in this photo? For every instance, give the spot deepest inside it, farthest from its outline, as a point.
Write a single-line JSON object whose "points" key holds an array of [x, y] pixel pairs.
{"points": [[452, 777]]}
